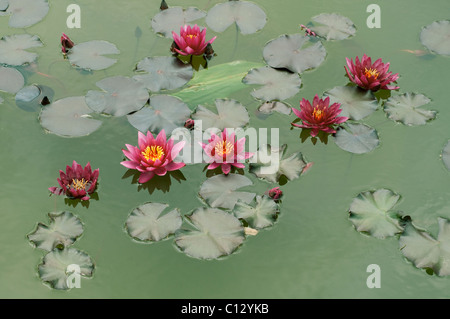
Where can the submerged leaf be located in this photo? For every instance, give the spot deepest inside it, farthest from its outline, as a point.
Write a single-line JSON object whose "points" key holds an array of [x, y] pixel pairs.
{"points": [[148, 222], [172, 19], [371, 212], [165, 112], [11, 80], [294, 52], [405, 108], [68, 117], [230, 114], [248, 16], [121, 95], [263, 214], [215, 234], [426, 252], [55, 269], [436, 37], [275, 106], [334, 26], [12, 49], [356, 103], [277, 85], [358, 138], [220, 190], [31, 98], [64, 229], [90, 55], [163, 73], [25, 13]]}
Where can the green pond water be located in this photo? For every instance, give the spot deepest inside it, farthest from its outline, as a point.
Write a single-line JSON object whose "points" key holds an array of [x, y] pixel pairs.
{"points": [[313, 251]]}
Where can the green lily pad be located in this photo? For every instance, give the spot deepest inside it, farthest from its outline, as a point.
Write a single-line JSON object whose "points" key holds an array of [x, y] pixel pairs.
{"points": [[90, 55], [13, 49], [406, 108], [334, 26], [192, 152], [357, 138], [260, 215], [64, 229], [355, 103], [275, 106], [11, 80], [25, 13], [230, 114], [172, 19], [371, 212], [436, 37], [213, 234]]}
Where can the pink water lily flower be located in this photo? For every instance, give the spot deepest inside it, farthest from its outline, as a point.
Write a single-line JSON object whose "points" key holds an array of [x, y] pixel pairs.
{"points": [[370, 76], [225, 151], [153, 156], [275, 193], [66, 43], [76, 182], [320, 116], [191, 40]]}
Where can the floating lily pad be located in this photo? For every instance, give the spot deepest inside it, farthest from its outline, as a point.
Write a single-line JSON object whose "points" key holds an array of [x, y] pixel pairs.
{"points": [[215, 234], [426, 252], [192, 152], [355, 103], [25, 13], [248, 16], [436, 37], [230, 114], [219, 81], [277, 85], [357, 138], [12, 49], [220, 190], [148, 222], [90, 55], [165, 112], [371, 213], [172, 19], [11, 80], [446, 155], [54, 267], [271, 163], [69, 117], [121, 95], [295, 52], [4, 4], [163, 73], [334, 26], [275, 106], [32, 98], [263, 214], [406, 108], [63, 230]]}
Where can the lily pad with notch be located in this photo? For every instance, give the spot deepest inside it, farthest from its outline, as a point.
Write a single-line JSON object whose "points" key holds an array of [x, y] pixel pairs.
{"points": [[24, 13], [164, 112], [213, 233], [248, 16], [277, 85], [406, 108], [91, 55], [163, 73], [172, 19], [69, 117], [295, 52], [436, 37], [120, 96], [32, 98], [13, 49], [357, 138], [275, 106], [63, 230], [333, 26], [263, 213], [149, 222]]}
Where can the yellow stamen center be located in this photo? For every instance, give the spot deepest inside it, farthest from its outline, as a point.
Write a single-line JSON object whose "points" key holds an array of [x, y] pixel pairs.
{"points": [[318, 114], [191, 36], [153, 153], [224, 148], [369, 73], [79, 184]]}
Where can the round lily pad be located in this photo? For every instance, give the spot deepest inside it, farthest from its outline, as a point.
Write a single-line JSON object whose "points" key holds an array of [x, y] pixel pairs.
{"points": [[172, 19], [90, 55], [55, 269], [12, 49], [121, 95], [11, 80], [357, 138], [214, 234], [63, 230], [356, 103], [436, 37], [25, 13], [275, 106], [295, 52], [69, 117], [149, 222], [221, 190], [277, 85], [248, 16], [371, 212], [230, 114], [260, 215], [165, 112], [406, 108], [163, 73], [333, 26], [32, 98]]}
